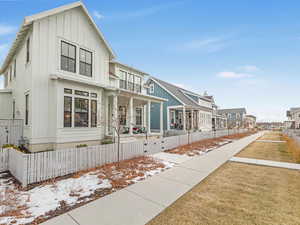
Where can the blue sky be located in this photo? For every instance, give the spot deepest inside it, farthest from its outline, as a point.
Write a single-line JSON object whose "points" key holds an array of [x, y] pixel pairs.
{"points": [[245, 53]]}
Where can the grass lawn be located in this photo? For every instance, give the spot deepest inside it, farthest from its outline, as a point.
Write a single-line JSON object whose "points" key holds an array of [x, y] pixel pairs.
{"points": [[239, 194], [272, 136], [268, 151]]}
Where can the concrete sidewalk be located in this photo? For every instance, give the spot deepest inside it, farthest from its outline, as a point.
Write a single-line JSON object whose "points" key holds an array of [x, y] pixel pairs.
{"points": [[261, 162], [139, 203]]}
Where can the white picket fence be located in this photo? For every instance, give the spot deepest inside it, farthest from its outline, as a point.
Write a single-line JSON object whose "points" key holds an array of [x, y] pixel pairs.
{"points": [[37, 167]]}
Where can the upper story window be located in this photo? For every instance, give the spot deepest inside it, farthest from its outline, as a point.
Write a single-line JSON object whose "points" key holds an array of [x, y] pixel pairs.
{"points": [[10, 73], [130, 82], [68, 57], [85, 66], [28, 50]]}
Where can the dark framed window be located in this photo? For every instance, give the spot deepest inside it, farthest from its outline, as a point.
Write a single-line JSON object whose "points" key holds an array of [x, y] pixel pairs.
{"points": [[28, 50], [138, 116], [14, 109], [122, 115], [67, 111], [27, 109], [82, 93], [15, 68], [94, 95], [93, 113], [81, 112], [68, 91], [130, 82], [85, 60], [137, 84], [68, 57], [123, 80]]}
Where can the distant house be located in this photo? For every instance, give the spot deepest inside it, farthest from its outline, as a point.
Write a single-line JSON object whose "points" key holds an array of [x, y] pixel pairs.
{"points": [[184, 110], [219, 121], [293, 116], [250, 121], [235, 117]]}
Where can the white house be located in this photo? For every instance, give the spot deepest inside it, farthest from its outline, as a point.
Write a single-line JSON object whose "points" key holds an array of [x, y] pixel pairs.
{"points": [[62, 79]]}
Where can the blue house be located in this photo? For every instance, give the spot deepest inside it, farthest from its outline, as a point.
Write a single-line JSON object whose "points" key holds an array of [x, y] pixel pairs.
{"points": [[184, 110]]}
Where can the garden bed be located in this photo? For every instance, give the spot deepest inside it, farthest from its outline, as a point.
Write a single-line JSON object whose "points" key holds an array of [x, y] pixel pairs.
{"points": [[52, 198], [206, 145]]}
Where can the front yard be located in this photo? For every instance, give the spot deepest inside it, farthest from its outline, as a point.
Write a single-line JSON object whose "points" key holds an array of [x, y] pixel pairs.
{"points": [[55, 197], [239, 194]]}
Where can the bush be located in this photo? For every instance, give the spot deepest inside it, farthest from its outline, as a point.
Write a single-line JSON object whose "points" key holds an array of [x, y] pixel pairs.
{"points": [[107, 142], [81, 146]]}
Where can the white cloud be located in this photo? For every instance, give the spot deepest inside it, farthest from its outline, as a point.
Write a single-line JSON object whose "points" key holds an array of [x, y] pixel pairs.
{"points": [[249, 68], [6, 29], [209, 45], [98, 15], [233, 75]]}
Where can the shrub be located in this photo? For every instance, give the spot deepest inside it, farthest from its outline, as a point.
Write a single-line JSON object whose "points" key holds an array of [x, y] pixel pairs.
{"points": [[81, 146], [107, 142]]}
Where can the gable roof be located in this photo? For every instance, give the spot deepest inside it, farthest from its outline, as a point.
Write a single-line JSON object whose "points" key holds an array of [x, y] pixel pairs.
{"points": [[233, 110], [27, 24], [178, 93]]}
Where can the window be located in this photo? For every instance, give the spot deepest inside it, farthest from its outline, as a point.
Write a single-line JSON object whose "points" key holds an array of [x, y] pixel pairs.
{"points": [[123, 78], [28, 50], [137, 84], [172, 117], [6, 79], [14, 109], [82, 93], [81, 112], [130, 82], [151, 88], [68, 57], [68, 91], [67, 111], [93, 113], [94, 95], [85, 59], [138, 116], [15, 68], [27, 109], [122, 115]]}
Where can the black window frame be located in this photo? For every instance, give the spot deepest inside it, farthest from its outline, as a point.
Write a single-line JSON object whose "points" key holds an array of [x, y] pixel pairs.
{"points": [[76, 123], [139, 118], [27, 109], [85, 64], [68, 57], [69, 124], [94, 113]]}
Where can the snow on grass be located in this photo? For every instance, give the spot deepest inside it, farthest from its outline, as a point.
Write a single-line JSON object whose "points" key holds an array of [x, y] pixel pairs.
{"points": [[22, 207]]}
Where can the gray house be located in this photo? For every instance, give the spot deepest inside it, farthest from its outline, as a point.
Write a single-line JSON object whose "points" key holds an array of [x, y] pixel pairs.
{"points": [[184, 110], [235, 117]]}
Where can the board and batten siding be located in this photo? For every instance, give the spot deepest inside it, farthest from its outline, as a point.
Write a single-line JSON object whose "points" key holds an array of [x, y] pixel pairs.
{"points": [[155, 108], [72, 26]]}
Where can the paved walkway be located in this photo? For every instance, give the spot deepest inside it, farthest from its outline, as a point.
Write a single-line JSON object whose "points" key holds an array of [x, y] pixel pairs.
{"points": [[139, 203], [270, 141], [261, 162]]}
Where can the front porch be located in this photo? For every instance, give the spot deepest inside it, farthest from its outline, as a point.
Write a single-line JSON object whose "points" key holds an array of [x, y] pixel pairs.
{"points": [[129, 115], [183, 118]]}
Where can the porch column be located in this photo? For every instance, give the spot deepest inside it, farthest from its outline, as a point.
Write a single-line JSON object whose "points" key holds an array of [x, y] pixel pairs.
{"points": [[168, 118], [115, 114], [107, 99], [130, 115], [149, 117], [192, 119], [161, 118], [184, 118]]}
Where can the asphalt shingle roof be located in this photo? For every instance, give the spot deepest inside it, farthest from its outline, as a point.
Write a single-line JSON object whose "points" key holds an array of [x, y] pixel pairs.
{"points": [[178, 92], [234, 110]]}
